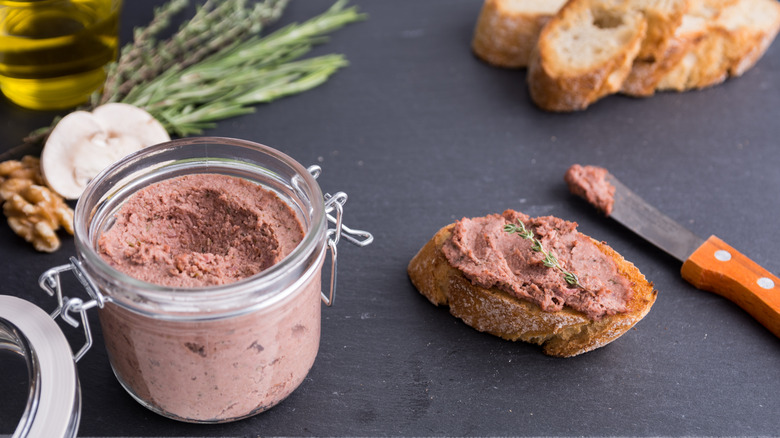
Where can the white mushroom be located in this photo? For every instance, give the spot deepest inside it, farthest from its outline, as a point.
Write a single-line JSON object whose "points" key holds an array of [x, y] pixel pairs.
{"points": [[82, 144]]}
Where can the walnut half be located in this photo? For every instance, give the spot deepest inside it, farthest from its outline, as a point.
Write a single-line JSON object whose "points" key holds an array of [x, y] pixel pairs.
{"points": [[33, 210]]}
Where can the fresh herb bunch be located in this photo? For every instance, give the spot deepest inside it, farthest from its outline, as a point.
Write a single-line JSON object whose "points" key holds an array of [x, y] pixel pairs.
{"points": [[215, 25], [216, 65], [550, 260]]}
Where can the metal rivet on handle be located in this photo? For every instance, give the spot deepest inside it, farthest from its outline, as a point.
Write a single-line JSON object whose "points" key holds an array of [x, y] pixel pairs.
{"points": [[722, 255], [766, 283]]}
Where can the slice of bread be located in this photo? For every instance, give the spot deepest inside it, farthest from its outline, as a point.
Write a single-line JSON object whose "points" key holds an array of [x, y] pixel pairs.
{"points": [[735, 38], [562, 333], [584, 52], [661, 48], [663, 19], [687, 44], [716, 39], [507, 30], [752, 26], [648, 73], [701, 63]]}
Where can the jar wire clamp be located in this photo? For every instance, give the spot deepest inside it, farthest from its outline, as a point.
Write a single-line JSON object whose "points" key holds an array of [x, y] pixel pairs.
{"points": [[50, 282], [335, 204]]}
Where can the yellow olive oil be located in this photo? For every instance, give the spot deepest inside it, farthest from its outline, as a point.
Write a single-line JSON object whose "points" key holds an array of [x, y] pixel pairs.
{"points": [[53, 52]]}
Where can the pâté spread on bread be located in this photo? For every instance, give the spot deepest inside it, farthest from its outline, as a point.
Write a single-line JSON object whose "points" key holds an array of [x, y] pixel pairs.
{"points": [[490, 257], [536, 280]]}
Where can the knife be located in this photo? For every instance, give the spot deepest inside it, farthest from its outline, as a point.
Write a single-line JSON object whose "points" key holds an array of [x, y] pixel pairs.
{"points": [[708, 264]]}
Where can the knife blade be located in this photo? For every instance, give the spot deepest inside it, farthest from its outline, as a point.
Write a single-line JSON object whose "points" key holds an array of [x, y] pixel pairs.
{"points": [[708, 264], [647, 221]]}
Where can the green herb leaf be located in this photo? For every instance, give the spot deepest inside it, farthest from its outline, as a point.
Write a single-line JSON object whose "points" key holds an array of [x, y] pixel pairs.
{"points": [[549, 260]]}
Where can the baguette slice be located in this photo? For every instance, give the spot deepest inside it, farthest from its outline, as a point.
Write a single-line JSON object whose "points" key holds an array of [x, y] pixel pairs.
{"points": [[716, 39], [584, 52], [663, 19], [507, 30], [752, 25], [669, 33], [646, 75], [731, 44], [563, 333]]}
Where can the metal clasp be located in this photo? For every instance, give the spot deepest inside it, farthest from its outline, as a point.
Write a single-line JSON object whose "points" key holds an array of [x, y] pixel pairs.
{"points": [[50, 282], [334, 211]]}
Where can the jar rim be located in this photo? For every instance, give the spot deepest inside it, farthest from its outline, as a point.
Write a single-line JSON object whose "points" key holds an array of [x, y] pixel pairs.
{"points": [[84, 214]]}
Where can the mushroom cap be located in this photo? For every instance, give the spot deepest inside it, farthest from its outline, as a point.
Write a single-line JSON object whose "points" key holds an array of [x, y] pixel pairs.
{"points": [[83, 144]]}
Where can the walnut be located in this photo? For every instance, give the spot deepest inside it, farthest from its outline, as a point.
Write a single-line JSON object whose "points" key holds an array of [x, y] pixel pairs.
{"points": [[12, 186], [29, 168], [34, 212]]}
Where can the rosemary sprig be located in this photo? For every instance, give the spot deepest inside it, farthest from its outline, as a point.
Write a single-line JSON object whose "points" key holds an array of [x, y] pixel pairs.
{"points": [[132, 54], [215, 65], [215, 26], [191, 110], [258, 70], [550, 260]]}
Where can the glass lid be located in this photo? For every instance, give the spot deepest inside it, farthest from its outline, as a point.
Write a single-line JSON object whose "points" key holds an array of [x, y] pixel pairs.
{"points": [[53, 403]]}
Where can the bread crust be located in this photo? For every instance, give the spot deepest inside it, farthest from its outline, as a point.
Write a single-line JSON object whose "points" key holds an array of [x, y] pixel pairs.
{"points": [[555, 86], [505, 36], [646, 75], [663, 19], [728, 38], [703, 64], [564, 333], [732, 43]]}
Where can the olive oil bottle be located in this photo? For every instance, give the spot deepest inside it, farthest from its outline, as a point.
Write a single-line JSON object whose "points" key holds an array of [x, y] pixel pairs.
{"points": [[53, 52]]}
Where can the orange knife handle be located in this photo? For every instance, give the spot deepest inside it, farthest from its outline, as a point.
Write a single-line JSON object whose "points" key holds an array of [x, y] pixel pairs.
{"points": [[717, 267]]}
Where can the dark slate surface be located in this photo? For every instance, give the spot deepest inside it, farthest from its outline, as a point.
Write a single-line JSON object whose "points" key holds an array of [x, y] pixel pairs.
{"points": [[419, 133]]}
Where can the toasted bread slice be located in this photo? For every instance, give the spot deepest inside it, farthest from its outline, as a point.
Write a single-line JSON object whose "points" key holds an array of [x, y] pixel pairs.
{"points": [[507, 30], [562, 333], [752, 26], [716, 39], [646, 74], [584, 52], [734, 40], [662, 47], [663, 19]]}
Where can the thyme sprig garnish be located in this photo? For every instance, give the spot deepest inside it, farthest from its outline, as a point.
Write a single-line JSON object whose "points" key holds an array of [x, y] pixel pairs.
{"points": [[550, 260]]}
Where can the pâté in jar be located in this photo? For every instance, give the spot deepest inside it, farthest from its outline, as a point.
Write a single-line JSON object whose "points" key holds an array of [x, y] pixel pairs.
{"points": [[204, 257]]}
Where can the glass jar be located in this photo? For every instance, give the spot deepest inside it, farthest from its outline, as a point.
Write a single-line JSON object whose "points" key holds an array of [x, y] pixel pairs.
{"points": [[217, 353]]}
